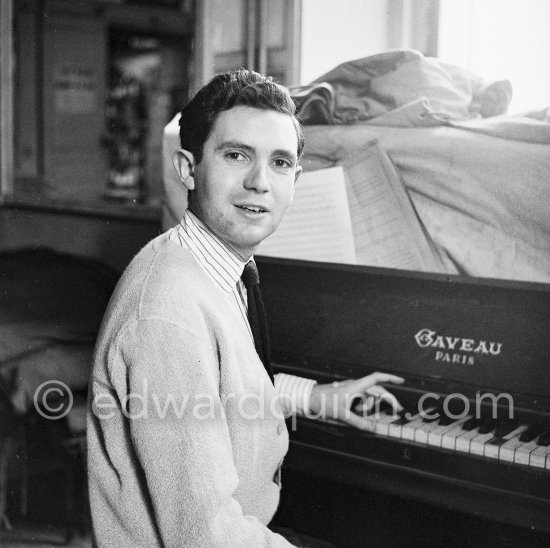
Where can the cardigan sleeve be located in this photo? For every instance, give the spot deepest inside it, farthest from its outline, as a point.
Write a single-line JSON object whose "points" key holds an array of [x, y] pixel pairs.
{"points": [[169, 446]]}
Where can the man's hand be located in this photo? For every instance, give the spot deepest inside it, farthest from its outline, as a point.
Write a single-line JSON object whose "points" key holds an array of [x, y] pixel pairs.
{"points": [[335, 401]]}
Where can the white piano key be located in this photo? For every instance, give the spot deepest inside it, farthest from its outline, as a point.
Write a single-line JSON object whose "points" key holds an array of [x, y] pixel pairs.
{"points": [[508, 449], [394, 430], [539, 457], [477, 444], [521, 454], [421, 433], [448, 441], [408, 430], [381, 425], [463, 441], [435, 437], [492, 450]]}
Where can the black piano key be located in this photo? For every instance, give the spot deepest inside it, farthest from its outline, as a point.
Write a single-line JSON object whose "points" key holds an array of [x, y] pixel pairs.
{"points": [[504, 427], [404, 418], [544, 439], [444, 420], [470, 424], [531, 433], [487, 426], [497, 440]]}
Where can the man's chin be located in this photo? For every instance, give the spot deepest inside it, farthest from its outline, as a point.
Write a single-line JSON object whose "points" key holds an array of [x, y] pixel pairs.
{"points": [[250, 245]]}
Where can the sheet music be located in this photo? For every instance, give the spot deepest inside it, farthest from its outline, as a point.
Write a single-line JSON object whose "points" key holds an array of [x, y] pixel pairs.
{"points": [[359, 213], [317, 226], [387, 231]]}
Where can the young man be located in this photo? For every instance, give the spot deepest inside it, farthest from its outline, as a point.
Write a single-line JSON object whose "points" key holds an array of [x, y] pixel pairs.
{"points": [[186, 432]]}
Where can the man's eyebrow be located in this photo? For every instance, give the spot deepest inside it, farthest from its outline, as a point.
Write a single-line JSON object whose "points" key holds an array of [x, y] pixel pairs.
{"points": [[234, 144], [289, 154]]}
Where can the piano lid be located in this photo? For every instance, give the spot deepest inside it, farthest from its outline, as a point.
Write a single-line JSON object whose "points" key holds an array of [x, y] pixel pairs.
{"points": [[470, 333]]}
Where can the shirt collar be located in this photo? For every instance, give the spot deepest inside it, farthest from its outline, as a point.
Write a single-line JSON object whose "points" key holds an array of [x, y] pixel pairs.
{"points": [[219, 262]]}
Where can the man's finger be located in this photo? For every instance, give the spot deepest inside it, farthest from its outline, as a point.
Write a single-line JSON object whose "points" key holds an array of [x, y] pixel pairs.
{"points": [[359, 422], [384, 395], [377, 378], [363, 407]]}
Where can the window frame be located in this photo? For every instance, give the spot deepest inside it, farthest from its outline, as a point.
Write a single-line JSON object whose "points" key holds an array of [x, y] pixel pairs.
{"points": [[6, 99]]}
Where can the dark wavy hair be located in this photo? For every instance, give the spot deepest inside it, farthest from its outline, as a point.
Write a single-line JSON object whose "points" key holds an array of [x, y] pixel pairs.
{"points": [[227, 90]]}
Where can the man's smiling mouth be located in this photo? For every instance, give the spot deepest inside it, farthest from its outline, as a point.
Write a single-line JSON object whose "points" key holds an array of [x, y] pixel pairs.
{"points": [[253, 209]]}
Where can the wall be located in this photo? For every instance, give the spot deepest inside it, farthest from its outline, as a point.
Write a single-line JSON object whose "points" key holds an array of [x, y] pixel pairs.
{"points": [[501, 39], [334, 31]]}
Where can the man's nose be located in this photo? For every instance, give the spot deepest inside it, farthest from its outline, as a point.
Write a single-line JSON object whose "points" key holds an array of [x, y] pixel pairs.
{"points": [[257, 178]]}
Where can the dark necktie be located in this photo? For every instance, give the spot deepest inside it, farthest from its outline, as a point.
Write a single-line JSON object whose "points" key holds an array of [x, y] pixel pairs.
{"points": [[256, 314]]}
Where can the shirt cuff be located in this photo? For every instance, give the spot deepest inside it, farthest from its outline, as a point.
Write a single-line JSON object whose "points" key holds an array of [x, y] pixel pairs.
{"points": [[294, 393]]}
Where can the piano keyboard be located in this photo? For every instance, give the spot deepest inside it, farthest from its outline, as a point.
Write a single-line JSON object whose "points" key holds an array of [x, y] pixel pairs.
{"points": [[503, 440]]}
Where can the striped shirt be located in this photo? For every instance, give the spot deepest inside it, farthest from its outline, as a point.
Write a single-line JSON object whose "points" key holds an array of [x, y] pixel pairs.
{"points": [[225, 269]]}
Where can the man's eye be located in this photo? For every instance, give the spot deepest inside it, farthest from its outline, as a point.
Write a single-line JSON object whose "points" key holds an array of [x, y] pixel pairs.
{"points": [[234, 156], [282, 163]]}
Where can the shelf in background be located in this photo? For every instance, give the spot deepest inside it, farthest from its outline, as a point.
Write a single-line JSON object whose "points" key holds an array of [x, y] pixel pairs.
{"points": [[149, 211]]}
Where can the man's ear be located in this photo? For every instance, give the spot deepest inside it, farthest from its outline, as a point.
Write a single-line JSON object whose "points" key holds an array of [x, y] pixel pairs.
{"points": [[297, 173], [184, 162]]}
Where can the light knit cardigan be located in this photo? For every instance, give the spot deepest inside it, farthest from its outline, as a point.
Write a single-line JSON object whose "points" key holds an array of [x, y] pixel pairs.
{"points": [[189, 458]]}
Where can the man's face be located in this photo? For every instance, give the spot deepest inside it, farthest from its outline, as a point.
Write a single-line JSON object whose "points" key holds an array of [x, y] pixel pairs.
{"points": [[245, 180]]}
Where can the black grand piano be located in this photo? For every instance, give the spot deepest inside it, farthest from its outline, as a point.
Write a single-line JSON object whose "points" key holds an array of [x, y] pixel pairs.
{"points": [[475, 354]]}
